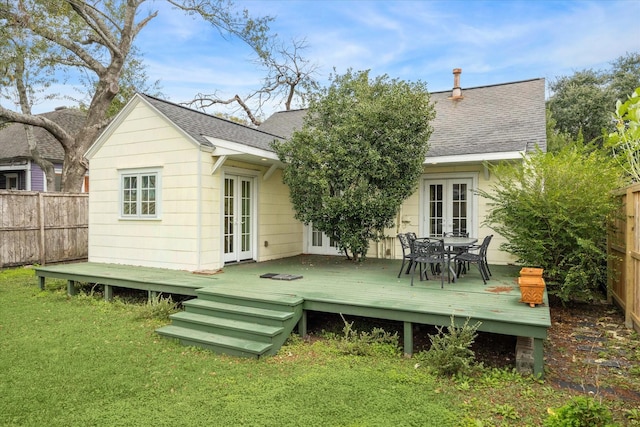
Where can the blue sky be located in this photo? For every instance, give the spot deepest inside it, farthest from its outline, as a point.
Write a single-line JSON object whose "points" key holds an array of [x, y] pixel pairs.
{"points": [[492, 41]]}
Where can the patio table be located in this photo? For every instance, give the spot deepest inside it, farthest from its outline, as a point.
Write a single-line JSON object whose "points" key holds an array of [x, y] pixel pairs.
{"points": [[454, 243]]}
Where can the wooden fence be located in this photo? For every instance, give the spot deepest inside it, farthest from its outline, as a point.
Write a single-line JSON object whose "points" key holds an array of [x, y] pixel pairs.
{"points": [[624, 251], [40, 228]]}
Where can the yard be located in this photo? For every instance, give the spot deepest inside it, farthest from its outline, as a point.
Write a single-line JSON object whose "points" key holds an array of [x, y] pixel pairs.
{"points": [[82, 361]]}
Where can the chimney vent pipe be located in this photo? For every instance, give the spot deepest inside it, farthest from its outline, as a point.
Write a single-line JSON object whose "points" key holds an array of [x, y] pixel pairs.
{"points": [[457, 90]]}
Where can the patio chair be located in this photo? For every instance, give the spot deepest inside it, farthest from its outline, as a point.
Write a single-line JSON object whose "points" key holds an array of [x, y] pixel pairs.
{"points": [[456, 251], [476, 248], [432, 253], [406, 242], [480, 259]]}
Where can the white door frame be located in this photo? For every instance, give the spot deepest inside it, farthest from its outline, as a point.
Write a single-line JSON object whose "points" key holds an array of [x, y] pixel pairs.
{"points": [[239, 175], [444, 177], [325, 249]]}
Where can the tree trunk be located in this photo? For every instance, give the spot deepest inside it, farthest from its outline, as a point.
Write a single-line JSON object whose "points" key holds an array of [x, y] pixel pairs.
{"points": [[45, 165], [73, 170]]}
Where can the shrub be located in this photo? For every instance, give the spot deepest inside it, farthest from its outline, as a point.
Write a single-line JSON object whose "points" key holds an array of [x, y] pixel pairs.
{"points": [[580, 411], [450, 352], [554, 210], [625, 141], [157, 308], [362, 343]]}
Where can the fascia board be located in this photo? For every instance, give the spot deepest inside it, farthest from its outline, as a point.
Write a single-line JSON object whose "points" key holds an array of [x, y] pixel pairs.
{"points": [[475, 158], [224, 147], [121, 117], [111, 127]]}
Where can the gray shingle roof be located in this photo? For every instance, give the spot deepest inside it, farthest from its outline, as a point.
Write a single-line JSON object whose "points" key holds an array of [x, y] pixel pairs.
{"points": [[284, 123], [198, 125], [489, 119], [13, 140], [507, 117]]}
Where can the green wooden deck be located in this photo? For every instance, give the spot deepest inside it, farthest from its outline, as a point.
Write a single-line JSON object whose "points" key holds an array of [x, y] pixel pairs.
{"points": [[334, 285]]}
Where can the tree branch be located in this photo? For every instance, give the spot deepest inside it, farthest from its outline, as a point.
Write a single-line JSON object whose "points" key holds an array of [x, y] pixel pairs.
{"points": [[94, 20], [8, 116]]}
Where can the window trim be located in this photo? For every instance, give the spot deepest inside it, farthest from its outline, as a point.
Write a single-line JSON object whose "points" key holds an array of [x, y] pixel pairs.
{"points": [[9, 176], [139, 173]]}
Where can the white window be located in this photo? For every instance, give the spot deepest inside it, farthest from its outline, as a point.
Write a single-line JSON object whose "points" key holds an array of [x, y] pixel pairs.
{"points": [[11, 181], [140, 194]]}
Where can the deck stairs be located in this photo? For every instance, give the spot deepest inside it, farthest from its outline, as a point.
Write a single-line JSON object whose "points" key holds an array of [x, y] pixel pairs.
{"points": [[235, 322]]}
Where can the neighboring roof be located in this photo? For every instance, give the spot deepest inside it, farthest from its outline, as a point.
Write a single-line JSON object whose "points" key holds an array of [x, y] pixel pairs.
{"points": [[508, 117], [13, 139], [200, 125]]}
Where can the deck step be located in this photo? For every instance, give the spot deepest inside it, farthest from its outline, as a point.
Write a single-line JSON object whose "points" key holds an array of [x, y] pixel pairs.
{"points": [[219, 325], [215, 342], [237, 312], [236, 322], [248, 298]]}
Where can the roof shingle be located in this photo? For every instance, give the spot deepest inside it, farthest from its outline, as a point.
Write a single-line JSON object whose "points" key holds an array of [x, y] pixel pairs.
{"points": [[507, 117], [198, 125], [490, 119], [13, 139]]}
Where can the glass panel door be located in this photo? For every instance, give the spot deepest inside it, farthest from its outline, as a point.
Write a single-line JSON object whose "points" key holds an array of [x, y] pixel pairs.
{"points": [[237, 218], [319, 243], [436, 210], [447, 206]]}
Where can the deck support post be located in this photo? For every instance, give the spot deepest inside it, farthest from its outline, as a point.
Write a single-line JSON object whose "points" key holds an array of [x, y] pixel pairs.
{"points": [[108, 293], [408, 339], [302, 324], [41, 281], [153, 295], [538, 357], [71, 288]]}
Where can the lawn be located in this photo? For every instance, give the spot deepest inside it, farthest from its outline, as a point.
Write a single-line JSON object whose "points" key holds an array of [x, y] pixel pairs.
{"points": [[71, 361]]}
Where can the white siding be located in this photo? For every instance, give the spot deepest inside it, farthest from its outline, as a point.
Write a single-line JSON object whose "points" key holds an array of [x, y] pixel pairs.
{"points": [[277, 226], [144, 140], [409, 217], [188, 234]]}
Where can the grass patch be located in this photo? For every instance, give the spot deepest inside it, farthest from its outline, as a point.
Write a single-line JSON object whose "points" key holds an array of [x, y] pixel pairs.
{"points": [[82, 361]]}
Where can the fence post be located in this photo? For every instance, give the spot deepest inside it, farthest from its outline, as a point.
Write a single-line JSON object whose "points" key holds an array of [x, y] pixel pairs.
{"points": [[629, 246], [43, 257]]}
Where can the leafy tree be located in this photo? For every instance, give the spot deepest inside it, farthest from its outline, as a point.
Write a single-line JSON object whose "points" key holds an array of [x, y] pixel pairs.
{"points": [[96, 39], [583, 102], [625, 141], [625, 75], [23, 81], [557, 139], [358, 156], [580, 103], [554, 210]]}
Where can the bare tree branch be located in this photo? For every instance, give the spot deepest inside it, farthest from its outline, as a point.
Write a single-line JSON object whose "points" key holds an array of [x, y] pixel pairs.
{"points": [[289, 77], [96, 38]]}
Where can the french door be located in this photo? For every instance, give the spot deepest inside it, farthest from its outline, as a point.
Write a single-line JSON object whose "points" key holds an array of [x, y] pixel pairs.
{"points": [[238, 218], [319, 243], [447, 206]]}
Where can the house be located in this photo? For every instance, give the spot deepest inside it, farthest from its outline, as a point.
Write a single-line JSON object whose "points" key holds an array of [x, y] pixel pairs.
{"points": [[18, 171], [176, 188]]}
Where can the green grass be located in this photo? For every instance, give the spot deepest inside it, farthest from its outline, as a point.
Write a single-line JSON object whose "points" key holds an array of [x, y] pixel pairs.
{"points": [[79, 361]]}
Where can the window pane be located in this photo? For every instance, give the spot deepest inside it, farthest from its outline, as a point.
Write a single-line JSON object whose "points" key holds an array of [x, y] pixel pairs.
{"points": [[129, 194], [139, 195]]}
